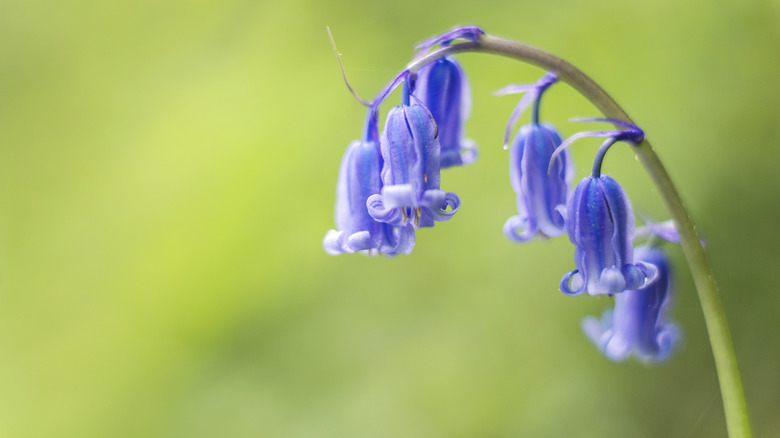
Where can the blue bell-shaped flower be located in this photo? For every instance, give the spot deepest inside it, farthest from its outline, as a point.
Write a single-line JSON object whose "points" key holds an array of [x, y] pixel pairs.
{"points": [[541, 194], [359, 178], [600, 223], [637, 325], [442, 87], [542, 187], [411, 172]]}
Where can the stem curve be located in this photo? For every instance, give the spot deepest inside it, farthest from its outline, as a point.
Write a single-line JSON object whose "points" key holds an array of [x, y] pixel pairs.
{"points": [[732, 393]]}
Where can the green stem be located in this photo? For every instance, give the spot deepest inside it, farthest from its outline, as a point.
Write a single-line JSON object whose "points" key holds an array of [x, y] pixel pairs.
{"points": [[722, 346]]}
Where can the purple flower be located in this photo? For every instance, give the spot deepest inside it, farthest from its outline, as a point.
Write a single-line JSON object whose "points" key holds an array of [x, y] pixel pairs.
{"points": [[443, 88], [637, 325], [359, 178], [600, 223], [540, 195], [410, 175], [541, 186]]}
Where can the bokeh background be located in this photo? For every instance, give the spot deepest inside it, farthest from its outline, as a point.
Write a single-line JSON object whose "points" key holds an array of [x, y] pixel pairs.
{"points": [[167, 173]]}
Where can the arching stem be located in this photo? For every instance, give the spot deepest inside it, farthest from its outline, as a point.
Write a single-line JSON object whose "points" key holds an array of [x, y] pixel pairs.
{"points": [[722, 346]]}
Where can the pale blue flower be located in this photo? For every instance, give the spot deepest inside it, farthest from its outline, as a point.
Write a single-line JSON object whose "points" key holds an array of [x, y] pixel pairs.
{"points": [[541, 186], [359, 178], [637, 325], [442, 87]]}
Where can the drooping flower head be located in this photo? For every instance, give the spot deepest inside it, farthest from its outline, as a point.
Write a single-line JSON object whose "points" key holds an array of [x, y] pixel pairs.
{"points": [[542, 187], [600, 223], [637, 325], [443, 88], [359, 178], [411, 171]]}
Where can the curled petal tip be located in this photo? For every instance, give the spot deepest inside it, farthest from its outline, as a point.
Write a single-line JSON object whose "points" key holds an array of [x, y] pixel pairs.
{"points": [[378, 210], [577, 285], [650, 272], [516, 229]]}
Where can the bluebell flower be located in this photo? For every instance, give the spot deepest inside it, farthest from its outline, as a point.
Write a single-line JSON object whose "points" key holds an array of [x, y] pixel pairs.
{"points": [[411, 172], [540, 195], [359, 178], [541, 186], [443, 88], [637, 325], [600, 223]]}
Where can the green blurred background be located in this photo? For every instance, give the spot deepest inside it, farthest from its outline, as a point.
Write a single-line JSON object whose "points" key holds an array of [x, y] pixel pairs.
{"points": [[167, 173]]}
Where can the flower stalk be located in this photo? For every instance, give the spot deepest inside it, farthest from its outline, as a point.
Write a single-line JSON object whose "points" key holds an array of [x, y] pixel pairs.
{"points": [[721, 343]]}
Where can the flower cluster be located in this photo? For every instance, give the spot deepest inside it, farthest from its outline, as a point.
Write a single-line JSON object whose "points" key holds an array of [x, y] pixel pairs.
{"points": [[390, 185], [359, 179]]}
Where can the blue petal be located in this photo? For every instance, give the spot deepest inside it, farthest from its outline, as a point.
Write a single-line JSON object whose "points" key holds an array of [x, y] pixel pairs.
{"points": [[611, 281], [334, 242], [402, 161], [593, 329], [398, 240], [361, 241], [623, 218], [617, 347]]}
